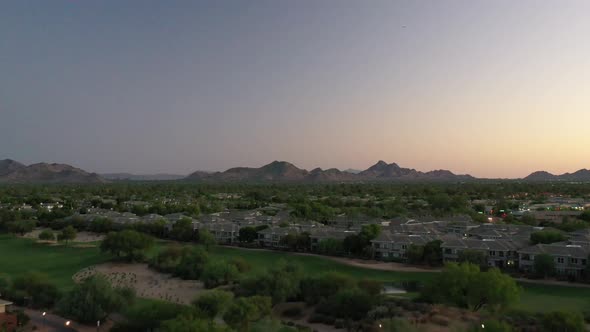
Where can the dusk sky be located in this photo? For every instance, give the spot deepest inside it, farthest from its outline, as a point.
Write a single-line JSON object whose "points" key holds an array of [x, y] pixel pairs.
{"points": [[489, 88]]}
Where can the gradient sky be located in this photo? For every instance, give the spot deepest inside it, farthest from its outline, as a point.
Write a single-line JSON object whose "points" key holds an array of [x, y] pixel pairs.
{"points": [[490, 88]]}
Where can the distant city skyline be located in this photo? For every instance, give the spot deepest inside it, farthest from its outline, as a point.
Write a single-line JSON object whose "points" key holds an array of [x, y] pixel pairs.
{"points": [[492, 89]]}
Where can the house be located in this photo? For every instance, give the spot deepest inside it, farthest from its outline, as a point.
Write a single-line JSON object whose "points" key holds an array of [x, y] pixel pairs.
{"points": [[319, 234], [389, 246], [570, 259], [224, 232], [272, 236], [8, 321], [501, 253]]}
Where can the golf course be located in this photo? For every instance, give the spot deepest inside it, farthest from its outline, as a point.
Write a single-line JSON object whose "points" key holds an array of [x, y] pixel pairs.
{"points": [[60, 263]]}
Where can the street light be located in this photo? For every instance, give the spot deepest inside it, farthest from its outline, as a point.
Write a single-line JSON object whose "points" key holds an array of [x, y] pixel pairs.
{"points": [[483, 326], [68, 323]]}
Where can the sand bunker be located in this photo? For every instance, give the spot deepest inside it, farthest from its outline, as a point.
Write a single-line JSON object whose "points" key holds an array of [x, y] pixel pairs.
{"points": [[146, 282]]}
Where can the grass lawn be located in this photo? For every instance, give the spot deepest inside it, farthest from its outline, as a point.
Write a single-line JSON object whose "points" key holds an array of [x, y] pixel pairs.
{"points": [[60, 263], [313, 265], [542, 298]]}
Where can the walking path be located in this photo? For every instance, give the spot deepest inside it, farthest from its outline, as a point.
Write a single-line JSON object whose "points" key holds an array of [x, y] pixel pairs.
{"points": [[54, 323]]}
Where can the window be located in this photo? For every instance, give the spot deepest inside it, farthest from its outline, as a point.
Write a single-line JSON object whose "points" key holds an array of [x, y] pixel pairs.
{"points": [[492, 253], [404, 246], [448, 251], [501, 253], [560, 260], [574, 260]]}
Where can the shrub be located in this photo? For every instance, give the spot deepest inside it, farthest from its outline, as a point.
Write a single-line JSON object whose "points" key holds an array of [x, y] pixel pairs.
{"points": [[293, 312], [47, 235]]}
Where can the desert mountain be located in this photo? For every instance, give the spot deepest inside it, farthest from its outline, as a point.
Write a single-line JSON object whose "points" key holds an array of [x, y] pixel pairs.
{"points": [[142, 177], [8, 166], [582, 175], [283, 171], [14, 172]]}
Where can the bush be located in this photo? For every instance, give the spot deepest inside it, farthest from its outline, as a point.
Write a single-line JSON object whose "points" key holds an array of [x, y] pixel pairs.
{"points": [[558, 321], [293, 312], [34, 289], [47, 235]]}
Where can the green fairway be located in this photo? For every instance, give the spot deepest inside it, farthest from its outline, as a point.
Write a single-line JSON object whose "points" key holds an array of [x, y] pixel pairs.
{"points": [[541, 298], [313, 265], [58, 262]]}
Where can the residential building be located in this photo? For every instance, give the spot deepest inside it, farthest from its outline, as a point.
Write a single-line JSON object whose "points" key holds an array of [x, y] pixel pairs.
{"points": [[570, 259]]}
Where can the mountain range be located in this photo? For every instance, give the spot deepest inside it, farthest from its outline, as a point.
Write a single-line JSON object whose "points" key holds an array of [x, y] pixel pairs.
{"points": [[278, 171], [142, 177], [14, 172], [582, 175], [282, 171]]}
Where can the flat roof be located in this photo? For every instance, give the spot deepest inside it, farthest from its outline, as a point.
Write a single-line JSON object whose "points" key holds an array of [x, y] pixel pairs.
{"points": [[3, 302]]}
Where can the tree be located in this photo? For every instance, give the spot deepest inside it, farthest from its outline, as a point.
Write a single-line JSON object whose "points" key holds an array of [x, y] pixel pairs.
{"points": [[317, 288], [182, 230], [192, 263], [472, 256], [213, 303], [34, 289], [352, 244], [529, 219], [559, 321], [206, 238], [248, 234], [47, 235], [370, 232], [464, 285], [433, 253], [415, 254], [544, 265], [246, 310], [148, 316], [94, 299], [101, 225], [492, 325], [281, 282], [330, 246], [547, 237], [21, 226], [218, 273], [129, 244], [289, 241], [168, 259], [67, 234], [241, 264], [585, 215], [352, 303], [185, 323], [371, 286]]}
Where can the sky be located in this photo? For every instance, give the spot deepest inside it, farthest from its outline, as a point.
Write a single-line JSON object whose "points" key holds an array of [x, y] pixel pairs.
{"points": [[489, 88]]}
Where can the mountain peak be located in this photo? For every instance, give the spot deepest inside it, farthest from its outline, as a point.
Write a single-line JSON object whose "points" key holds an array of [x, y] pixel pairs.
{"points": [[12, 171]]}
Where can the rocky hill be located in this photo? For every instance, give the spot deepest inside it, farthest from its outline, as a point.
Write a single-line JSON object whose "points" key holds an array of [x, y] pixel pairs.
{"points": [[14, 172], [142, 177], [282, 171], [582, 175]]}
